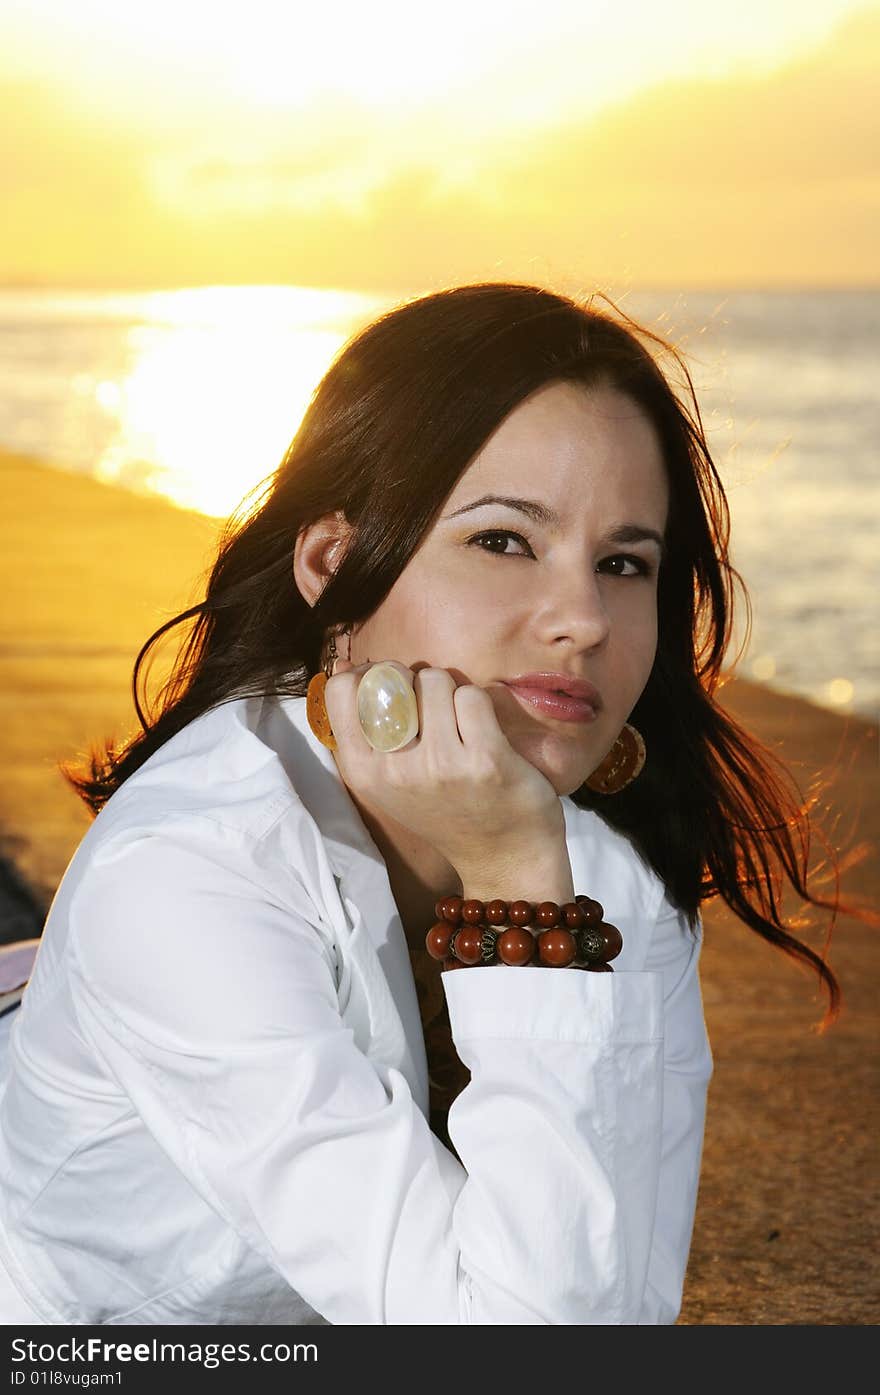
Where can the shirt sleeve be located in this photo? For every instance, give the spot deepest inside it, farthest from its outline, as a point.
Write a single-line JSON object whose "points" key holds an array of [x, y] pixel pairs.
{"points": [[213, 1004], [630, 1109]]}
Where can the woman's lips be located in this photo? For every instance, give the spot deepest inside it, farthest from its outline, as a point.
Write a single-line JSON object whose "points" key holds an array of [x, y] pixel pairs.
{"points": [[559, 705]]}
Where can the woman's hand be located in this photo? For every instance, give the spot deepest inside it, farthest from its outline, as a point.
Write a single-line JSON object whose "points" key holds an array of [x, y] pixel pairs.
{"points": [[459, 784]]}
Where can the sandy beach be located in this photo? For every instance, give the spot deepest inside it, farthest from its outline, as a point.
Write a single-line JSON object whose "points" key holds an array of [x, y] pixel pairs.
{"points": [[787, 1221]]}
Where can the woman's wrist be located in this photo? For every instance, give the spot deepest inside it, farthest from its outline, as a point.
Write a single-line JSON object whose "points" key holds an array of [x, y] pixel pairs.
{"points": [[520, 909], [539, 874]]}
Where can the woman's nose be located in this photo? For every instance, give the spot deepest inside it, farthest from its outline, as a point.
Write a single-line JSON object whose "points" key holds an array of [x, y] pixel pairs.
{"points": [[576, 609]]}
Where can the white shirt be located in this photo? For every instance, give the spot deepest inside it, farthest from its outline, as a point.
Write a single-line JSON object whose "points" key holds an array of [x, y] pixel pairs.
{"points": [[215, 1098]]}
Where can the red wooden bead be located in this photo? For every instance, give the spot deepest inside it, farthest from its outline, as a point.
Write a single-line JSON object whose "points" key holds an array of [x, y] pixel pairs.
{"points": [[453, 964], [613, 940], [556, 948], [547, 914], [520, 913], [437, 939], [449, 908], [496, 912], [472, 912], [467, 944], [572, 914], [593, 911], [515, 946]]}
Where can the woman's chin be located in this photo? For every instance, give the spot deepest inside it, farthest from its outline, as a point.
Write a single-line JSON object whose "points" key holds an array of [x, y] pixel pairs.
{"points": [[558, 760]]}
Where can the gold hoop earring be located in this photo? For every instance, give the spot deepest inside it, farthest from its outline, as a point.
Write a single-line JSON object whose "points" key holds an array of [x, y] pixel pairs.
{"points": [[623, 763]]}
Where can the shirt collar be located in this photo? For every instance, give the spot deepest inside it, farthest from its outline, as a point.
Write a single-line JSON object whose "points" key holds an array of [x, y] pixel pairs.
{"points": [[320, 786]]}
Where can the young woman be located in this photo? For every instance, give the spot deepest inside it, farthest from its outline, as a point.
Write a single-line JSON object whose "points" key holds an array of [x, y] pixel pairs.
{"points": [[447, 705]]}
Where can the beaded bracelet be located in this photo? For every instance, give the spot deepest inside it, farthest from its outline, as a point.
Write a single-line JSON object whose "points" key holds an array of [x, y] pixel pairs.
{"points": [[477, 932]]}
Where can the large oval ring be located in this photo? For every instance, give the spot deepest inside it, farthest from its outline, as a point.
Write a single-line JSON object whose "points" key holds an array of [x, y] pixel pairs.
{"points": [[387, 708]]}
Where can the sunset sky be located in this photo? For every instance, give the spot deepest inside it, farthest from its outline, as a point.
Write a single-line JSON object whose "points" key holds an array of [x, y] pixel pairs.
{"points": [[394, 146]]}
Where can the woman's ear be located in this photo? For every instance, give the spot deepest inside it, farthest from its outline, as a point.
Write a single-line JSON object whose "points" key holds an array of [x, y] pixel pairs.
{"points": [[318, 551]]}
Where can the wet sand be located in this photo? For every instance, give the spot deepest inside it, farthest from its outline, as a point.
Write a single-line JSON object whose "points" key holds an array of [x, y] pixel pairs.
{"points": [[787, 1220]]}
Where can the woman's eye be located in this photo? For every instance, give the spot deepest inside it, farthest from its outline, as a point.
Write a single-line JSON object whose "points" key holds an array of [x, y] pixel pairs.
{"points": [[639, 566], [495, 541]]}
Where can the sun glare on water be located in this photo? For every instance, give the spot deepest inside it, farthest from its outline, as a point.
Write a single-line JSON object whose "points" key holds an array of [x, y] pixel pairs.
{"points": [[219, 379]]}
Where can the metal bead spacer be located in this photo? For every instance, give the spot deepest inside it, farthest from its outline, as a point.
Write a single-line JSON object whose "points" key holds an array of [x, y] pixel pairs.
{"points": [[590, 944], [487, 945]]}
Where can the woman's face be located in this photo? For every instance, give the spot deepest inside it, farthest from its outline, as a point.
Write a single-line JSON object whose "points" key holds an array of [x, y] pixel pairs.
{"points": [[495, 591]]}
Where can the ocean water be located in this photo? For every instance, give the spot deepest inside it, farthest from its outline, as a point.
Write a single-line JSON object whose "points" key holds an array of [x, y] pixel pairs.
{"points": [[195, 394]]}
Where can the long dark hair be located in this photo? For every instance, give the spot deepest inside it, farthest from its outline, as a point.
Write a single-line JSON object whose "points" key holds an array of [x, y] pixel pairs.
{"points": [[391, 427]]}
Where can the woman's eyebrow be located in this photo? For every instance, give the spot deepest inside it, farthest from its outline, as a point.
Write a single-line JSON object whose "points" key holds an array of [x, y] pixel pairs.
{"points": [[634, 532], [541, 513]]}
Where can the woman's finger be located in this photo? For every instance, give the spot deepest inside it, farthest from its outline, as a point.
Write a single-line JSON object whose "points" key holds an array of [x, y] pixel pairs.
{"points": [[340, 700], [438, 730], [478, 720]]}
